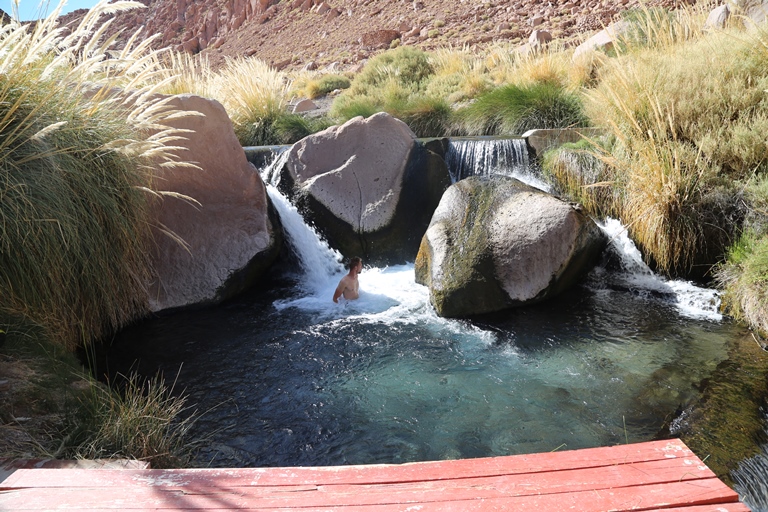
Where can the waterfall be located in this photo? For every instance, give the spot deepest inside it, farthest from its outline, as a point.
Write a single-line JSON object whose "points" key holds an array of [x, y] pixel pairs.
{"points": [[318, 261], [633, 274], [486, 157]]}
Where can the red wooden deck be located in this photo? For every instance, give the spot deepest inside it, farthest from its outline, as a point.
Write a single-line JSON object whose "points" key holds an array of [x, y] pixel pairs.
{"points": [[647, 476]]}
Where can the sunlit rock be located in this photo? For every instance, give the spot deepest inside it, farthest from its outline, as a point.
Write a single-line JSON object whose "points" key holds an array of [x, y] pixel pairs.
{"points": [[229, 239], [496, 243], [368, 186]]}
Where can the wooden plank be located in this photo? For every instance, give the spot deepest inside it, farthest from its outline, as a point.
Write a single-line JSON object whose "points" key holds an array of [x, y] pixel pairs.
{"points": [[661, 470], [670, 470], [647, 497], [417, 471], [719, 507]]}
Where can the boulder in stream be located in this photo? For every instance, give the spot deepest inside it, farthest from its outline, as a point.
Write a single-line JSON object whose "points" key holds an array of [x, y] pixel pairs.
{"points": [[230, 233], [496, 243], [368, 186]]}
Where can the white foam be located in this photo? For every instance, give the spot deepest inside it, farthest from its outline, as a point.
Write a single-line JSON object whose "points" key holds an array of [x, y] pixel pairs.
{"points": [[690, 300]]}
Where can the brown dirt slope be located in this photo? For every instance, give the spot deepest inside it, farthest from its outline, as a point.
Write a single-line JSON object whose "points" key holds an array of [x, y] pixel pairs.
{"points": [[316, 33]]}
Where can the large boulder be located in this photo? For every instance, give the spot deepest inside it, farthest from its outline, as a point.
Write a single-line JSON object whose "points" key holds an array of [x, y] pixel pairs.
{"points": [[496, 243], [368, 187], [230, 234]]}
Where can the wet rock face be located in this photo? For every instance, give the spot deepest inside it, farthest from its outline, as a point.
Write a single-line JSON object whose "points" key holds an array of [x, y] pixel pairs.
{"points": [[495, 243], [230, 234], [368, 187]]}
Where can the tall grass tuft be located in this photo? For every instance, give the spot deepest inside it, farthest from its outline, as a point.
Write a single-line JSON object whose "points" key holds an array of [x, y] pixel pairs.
{"points": [[580, 176], [183, 73], [255, 95], [687, 121], [142, 421], [512, 110], [74, 176], [315, 87]]}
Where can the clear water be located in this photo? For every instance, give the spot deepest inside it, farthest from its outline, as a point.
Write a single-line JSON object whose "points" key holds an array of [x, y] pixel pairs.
{"points": [[285, 377]]}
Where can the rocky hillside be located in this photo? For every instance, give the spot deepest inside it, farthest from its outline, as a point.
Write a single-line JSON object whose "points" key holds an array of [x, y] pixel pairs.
{"points": [[316, 33]]}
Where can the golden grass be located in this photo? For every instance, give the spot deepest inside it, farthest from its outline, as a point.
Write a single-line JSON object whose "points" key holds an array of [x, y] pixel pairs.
{"points": [[685, 115]]}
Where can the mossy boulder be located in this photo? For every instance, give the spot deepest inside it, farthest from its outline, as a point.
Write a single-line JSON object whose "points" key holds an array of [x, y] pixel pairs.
{"points": [[367, 186], [496, 243]]}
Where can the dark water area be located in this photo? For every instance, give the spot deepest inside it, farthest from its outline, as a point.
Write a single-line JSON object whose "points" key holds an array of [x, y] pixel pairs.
{"points": [[300, 386]]}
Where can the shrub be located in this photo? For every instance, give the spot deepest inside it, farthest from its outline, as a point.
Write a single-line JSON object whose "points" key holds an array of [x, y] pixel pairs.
{"points": [[406, 67], [325, 84], [512, 110]]}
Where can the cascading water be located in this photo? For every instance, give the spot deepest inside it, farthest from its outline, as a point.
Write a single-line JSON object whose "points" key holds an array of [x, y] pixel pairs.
{"points": [[488, 156], [634, 275], [317, 260], [751, 479]]}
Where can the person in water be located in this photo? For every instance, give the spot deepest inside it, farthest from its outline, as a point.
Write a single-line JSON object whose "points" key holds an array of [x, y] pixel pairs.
{"points": [[349, 286]]}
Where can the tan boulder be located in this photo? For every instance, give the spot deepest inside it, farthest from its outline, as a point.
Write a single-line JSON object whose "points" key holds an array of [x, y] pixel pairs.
{"points": [[718, 18], [603, 40], [539, 38], [305, 105], [229, 238], [368, 186]]}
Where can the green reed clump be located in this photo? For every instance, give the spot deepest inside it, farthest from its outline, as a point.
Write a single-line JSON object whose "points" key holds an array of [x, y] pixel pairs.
{"points": [[314, 88], [73, 179], [514, 109], [142, 421]]}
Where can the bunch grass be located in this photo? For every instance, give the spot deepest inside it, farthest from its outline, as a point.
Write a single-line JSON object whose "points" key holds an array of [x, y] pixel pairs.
{"points": [[685, 117], [75, 169], [512, 110], [255, 95], [142, 419]]}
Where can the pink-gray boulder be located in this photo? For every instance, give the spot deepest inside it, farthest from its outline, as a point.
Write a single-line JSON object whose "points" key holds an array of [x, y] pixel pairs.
{"points": [[368, 186], [496, 243], [229, 234]]}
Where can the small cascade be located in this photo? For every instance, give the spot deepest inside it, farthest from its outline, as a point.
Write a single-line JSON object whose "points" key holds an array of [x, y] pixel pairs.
{"points": [[317, 260], [633, 274], [486, 157], [751, 481], [270, 173]]}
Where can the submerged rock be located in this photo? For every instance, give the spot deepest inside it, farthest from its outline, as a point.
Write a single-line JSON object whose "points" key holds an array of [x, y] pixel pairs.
{"points": [[495, 243], [230, 236], [368, 187]]}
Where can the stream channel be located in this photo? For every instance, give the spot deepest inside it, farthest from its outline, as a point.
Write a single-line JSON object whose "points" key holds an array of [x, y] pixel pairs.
{"points": [[282, 376]]}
